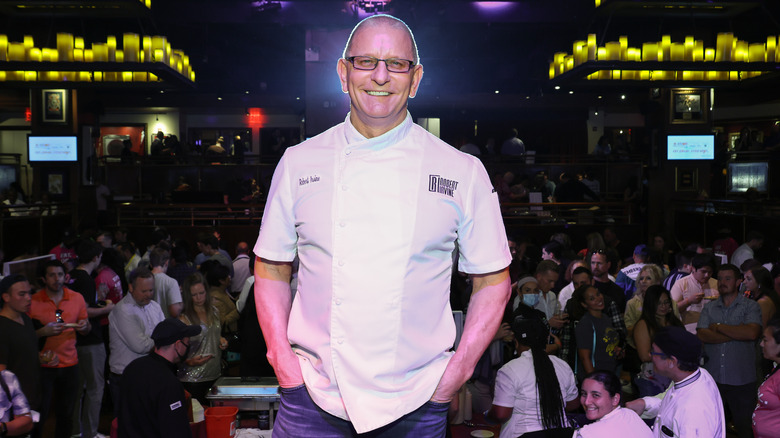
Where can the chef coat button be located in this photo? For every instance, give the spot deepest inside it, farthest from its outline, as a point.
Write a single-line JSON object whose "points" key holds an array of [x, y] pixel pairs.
{"points": [[342, 224], [338, 302], [344, 188], [340, 341], [341, 262]]}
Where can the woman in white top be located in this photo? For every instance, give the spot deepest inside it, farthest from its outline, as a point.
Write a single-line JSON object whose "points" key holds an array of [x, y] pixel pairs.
{"points": [[532, 390], [600, 397]]}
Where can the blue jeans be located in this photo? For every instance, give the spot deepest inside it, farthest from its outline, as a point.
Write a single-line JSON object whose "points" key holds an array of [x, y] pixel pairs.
{"points": [[300, 417]]}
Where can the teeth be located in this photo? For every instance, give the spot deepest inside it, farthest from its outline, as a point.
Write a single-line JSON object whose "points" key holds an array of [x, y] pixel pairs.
{"points": [[378, 93]]}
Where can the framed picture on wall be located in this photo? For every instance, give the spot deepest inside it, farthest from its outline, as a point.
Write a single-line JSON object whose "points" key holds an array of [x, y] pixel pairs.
{"points": [[688, 105], [686, 179], [54, 106]]}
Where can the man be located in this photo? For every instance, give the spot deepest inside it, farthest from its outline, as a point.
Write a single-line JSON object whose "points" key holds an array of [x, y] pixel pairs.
{"points": [[240, 267], [553, 251], [546, 275], [684, 267], [626, 278], [580, 276], [729, 327], [166, 290], [572, 190], [130, 327], [18, 343], [513, 145], [90, 347], [181, 268], [376, 357], [106, 239], [691, 407], [689, 291], [210, 247], [62, 313], [754, 240], [152, 403], [599, 266]]}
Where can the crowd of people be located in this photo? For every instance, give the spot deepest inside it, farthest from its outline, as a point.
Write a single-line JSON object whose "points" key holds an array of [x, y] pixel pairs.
{"points": [[690, 348], [73, 332]]}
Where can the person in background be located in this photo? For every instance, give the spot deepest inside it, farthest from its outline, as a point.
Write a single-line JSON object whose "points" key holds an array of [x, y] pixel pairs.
{"points": [[689, 291], [90, 347], [240, 268], [599, 345], [691, 407], [15, 418], [758, 285], [202, 366], [754, 240], [19, 343], [600, 266], [626, 278], [728, 328], [533, 390], [61, 313], [180, 268], [657, 312], [130, 327], [218, 280], [600, 398], [578, 278], [153, 404], [650, 275], [166, 289], [682, 268], [766, 416]]}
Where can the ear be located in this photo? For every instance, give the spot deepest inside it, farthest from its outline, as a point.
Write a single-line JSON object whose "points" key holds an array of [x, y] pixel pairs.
{"points": [[417, 75], [616, 400], [343, 71]]}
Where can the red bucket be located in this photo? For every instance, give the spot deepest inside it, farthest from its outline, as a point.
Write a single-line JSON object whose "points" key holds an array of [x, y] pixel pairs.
{"points": [[221, 421]]}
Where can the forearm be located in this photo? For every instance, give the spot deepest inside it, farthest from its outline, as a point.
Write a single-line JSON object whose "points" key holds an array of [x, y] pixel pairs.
{"points": [[742, 332], [273, 301], [94, 312], [483, 318], [709, 336], [174, 310], [587, 359], [20, 425]]}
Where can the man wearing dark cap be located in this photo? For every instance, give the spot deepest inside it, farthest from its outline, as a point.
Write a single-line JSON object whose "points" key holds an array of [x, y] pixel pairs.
{"points": [[152, 400], [691, 407]]}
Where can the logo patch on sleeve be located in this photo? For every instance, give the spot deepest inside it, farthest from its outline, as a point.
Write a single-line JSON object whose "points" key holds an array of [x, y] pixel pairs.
{"points": [[176, 405]]}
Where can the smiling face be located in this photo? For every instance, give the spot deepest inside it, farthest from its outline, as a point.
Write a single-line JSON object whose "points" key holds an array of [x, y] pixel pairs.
{"points": [[596, 399], [594, 300], [378, 97]]}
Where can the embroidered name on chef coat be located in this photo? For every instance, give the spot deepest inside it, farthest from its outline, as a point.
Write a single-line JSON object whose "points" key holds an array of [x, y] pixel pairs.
{"points": [[445, 186]]}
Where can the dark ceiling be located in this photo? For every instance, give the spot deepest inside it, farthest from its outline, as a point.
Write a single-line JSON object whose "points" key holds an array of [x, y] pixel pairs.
{"points": [[469, 51]]}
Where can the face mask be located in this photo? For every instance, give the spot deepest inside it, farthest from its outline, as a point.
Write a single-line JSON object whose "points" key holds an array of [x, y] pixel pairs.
{"points": [[186, 352], [531, 300]]}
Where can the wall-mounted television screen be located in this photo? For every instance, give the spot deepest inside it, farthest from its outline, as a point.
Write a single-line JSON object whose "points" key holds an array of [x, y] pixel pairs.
{"points": [[52, 149], [743, 176], [690, 147]]}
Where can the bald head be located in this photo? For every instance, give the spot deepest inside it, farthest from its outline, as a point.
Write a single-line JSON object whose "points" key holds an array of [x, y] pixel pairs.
{"points": [[242, 248], [378, 21]]}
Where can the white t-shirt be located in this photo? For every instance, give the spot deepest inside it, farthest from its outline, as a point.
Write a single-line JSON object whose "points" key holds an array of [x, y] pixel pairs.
{"points": [[166, 292], [374, 223], [516, 389], [620, 423]]}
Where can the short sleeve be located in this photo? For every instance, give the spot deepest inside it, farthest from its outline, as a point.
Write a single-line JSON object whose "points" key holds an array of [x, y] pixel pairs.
{"points": [[482, 243], [505, 389], [753, 313], [584, 335], [705, 319], [676, 293], [19, 402], [174, 293], [277, 238]]}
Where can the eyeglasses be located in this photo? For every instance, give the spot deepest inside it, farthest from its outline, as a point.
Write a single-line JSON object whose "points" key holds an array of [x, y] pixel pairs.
{"points": [[58, 314], [368, 63]]}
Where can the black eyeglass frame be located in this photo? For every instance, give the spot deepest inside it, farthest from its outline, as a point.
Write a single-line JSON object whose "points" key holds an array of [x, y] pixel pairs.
{"points": [[351, 60]]}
